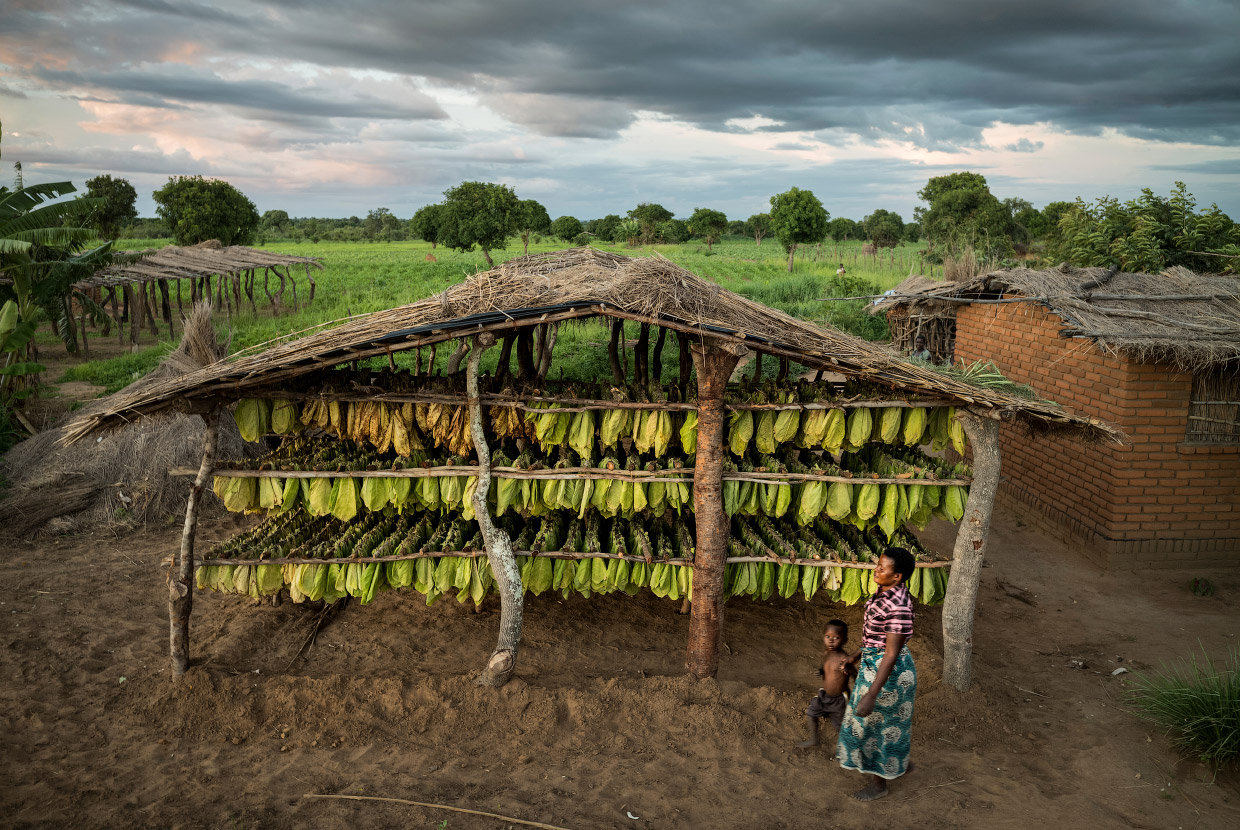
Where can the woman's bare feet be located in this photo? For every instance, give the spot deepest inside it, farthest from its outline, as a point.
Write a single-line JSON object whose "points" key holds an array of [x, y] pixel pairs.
{"points": [[876, 789]]}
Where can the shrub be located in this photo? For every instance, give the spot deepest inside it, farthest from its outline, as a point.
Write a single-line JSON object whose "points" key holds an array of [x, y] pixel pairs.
{"points": [[1198, 703]]}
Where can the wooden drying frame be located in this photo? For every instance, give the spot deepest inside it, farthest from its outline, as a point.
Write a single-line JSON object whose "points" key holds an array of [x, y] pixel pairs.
{"points": [[714, 360]]}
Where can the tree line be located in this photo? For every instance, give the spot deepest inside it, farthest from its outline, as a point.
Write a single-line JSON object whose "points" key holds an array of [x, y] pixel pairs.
{"points": [[960, 217]]}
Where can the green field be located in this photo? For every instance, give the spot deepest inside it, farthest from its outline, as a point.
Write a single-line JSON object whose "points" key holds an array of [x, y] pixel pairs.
{"points": [[363, 277]]}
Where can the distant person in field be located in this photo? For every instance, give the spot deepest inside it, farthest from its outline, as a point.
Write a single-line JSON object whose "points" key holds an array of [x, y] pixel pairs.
{"points": [[839, 272], [878, 724], [836, 672], [920, 351]]}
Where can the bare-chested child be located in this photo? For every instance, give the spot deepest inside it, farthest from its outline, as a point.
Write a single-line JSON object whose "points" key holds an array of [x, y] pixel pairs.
{"points": [[836, 673]]}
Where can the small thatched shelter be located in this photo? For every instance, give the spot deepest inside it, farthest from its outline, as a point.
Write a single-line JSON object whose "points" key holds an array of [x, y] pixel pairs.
{"points": [[149, 284], [1157, 355], [519, 302], [935, 322]]}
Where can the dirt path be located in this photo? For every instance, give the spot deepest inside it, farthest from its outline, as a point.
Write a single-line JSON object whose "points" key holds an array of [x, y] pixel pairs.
{"points": [[599, 723]]}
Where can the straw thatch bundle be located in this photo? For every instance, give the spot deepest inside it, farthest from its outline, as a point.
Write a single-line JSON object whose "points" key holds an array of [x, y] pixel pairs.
{"points": [[122, 478], [1187, 319], [576, 283]]}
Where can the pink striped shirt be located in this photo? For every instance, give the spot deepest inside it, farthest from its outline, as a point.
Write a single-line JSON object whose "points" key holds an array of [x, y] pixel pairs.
{"points": [[887, 612]]}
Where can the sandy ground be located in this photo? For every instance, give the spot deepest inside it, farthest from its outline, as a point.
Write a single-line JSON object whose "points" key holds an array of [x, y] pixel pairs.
{"points": [[601, 721]]}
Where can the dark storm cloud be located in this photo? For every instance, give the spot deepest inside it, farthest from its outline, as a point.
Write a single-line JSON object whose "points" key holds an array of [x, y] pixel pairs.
{"points": [[933, 73], [261, 98]]}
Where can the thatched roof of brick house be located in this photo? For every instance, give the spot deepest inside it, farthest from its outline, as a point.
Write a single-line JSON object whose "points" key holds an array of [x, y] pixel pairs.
{"points": [[1188, 319]]}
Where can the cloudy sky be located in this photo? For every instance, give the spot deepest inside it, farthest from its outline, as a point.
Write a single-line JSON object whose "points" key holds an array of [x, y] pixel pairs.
{"points": [[592, 106]]}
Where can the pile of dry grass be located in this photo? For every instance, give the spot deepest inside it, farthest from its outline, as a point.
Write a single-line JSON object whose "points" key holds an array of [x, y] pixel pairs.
{"points": [[119, 478]]}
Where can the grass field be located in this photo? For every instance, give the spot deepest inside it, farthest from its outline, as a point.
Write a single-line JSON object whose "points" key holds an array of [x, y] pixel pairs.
{"points": [[363, 277]]}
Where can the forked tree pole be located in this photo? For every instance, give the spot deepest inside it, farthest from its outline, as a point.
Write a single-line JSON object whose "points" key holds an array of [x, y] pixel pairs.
{"points": [[181, 582], [503, 660], [970, 550], [714, 366]]}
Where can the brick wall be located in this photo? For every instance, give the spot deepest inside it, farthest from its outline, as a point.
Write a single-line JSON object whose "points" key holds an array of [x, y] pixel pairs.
{"points": [[1157, 503]]}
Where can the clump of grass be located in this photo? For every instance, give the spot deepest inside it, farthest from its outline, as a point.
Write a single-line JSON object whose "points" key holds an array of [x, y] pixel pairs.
{"points": [[1198, 703]]}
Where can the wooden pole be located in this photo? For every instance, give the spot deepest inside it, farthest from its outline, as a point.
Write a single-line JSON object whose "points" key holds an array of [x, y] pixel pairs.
{"points": [[686, 363], [613, 352], [641, 356], [967, 556], [454, 359], [657, 357], [181, 584], [544, 360], [525, 354], [499, 547], [135, 314], [714, 367]]}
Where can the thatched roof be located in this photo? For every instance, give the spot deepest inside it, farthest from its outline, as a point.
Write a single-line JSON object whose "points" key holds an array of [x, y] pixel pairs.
{"points": [[1190, 320], [193, 262], [577, 283], [914, 284]]}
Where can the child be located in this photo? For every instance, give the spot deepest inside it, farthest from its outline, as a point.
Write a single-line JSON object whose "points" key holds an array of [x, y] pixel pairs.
{"points": [[836, 672]]}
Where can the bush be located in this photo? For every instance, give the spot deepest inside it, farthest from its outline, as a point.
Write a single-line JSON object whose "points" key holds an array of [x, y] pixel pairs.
{"points": [[1198, 704]]}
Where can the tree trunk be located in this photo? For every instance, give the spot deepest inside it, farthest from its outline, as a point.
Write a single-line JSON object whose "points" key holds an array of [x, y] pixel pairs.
{"points": [[503, 660], [181, 584], [966, 571], [613, 352], [487, 256], [714, 367], [525, 244], [792, 252]]}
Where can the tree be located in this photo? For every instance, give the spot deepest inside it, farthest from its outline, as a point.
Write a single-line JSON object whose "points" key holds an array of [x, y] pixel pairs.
{"points": [[963, 213], [1047, 224], [674, 231], [630, 230], [533, 218], [380, 223], [116, 205], [883, 228], [41, 244], [738, 227], [275, 221], [651, 215], [708, 224], [479, 213], [841, 229], [605, 228], [566, 228], [760, 226], [425, 223], [1148, 234], [198, 209], [912, 232], [798, 218]]}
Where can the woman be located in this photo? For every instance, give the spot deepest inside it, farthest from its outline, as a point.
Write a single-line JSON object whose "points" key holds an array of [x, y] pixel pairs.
{"points": [[877, 729]]}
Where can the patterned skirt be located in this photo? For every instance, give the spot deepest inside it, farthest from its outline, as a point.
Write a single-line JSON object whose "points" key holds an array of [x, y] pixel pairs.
{"points": [[879, 743]]}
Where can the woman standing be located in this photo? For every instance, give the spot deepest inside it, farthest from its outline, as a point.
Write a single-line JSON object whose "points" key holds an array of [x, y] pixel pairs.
{"points": [[877, 729]]}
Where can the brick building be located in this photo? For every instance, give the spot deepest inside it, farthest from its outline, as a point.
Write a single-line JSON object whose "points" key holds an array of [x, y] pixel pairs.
{"points": [[1156, 355]]}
